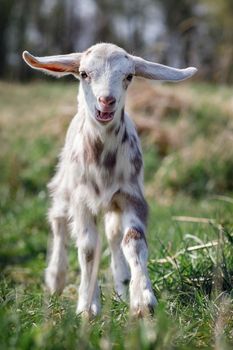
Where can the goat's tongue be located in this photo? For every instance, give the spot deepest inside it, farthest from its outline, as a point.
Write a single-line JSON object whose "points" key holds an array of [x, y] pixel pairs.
{"points": [[104, 116]]}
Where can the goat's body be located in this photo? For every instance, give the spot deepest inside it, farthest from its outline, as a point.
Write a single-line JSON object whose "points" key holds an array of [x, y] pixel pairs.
{"points": [[98, 171], [101, 169], [94, 166]]}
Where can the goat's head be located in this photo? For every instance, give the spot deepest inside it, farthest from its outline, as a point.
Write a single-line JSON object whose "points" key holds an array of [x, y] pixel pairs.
{"points": [[105, 71]]}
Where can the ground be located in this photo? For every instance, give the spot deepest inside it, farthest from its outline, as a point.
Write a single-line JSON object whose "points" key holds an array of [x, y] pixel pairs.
{"points": [[186, 133]]}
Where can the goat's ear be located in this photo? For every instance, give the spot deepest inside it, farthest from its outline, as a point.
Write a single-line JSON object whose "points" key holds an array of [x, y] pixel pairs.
{"points": [[55, 65], [158, 71]]}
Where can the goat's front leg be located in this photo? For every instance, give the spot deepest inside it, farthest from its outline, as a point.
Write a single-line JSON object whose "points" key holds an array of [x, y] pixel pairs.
{"points": [[134, 245], [120, 268], [86, 235], [55, 274]]}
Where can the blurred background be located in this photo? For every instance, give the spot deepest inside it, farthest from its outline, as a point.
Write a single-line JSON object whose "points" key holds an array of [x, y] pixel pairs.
{"points": [[189, 125], [178, 33], [186, 130]]}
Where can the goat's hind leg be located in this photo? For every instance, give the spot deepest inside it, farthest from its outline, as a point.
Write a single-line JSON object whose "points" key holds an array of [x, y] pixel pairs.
{"points": [[55, 274]]}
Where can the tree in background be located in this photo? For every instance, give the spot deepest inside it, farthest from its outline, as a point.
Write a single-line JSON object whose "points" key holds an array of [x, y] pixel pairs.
{"points": [[45, 27], [178, 33], [5, 21], [220, 19]]}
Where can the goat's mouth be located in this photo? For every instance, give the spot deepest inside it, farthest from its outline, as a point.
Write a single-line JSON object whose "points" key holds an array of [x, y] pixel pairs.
{"points": [[104, 117]]}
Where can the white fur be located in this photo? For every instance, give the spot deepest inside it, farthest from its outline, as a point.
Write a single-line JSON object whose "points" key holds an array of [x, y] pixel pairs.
{"points": [[100, 168]]}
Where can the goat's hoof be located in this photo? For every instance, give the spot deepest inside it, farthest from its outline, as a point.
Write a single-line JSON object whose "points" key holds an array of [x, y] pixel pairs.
{"points": [[55, 281], [145, 305], [89, 313], [143, 311]]}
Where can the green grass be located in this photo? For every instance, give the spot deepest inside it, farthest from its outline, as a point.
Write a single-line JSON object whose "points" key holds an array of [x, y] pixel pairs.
{"points": [[193, 287]]}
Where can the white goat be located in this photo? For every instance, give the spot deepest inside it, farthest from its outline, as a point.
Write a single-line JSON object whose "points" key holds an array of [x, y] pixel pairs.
{"points": [[101, 168]]}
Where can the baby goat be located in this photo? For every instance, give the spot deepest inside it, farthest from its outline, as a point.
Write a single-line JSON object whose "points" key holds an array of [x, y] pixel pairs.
{"points": [[101, 168]]}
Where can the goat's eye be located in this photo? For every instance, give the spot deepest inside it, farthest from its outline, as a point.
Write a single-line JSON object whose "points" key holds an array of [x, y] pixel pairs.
{"points": [[129, 77], [83, 75]]}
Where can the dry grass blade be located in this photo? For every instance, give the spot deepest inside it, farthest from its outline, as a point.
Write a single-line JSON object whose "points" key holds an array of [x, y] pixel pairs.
{"points": [[170, 259], [188, 249], [194, 219], [224, 198], [202, 246]]}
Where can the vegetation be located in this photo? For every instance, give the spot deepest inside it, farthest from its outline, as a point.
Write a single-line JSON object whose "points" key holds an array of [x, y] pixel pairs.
{"points": [[188, 172]]}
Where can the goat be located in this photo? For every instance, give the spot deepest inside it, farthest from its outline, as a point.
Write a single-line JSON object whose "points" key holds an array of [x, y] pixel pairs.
{"points": [[101, 168]]}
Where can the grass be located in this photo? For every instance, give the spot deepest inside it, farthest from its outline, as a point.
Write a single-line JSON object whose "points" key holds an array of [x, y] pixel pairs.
{"points": [[193, 286]]}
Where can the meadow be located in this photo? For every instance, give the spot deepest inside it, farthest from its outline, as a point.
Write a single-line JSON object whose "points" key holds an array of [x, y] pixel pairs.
{"points": [[186, 133]]}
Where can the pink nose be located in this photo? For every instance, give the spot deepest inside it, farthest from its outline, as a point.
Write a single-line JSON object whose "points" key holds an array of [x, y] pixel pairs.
{"points": [[107, 100]]}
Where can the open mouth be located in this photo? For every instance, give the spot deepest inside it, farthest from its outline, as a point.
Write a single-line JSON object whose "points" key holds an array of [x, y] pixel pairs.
{"points": [[104, 117]]}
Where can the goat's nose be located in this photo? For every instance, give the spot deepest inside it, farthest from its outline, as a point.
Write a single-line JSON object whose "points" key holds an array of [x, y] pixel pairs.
{"points": [[107, 100]]}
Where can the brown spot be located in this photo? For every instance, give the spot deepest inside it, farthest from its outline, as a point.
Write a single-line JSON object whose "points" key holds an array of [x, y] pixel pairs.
{"points": [[109, 160], [89, 256], [125, 136], [93, 150], [133, 234], [98, 149]]}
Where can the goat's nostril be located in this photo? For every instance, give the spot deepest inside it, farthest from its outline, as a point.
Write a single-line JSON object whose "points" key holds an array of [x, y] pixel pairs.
{"points": [[107, 100], [113, 101]]}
